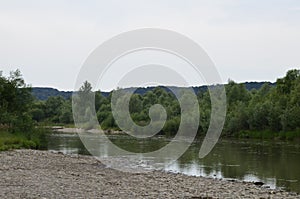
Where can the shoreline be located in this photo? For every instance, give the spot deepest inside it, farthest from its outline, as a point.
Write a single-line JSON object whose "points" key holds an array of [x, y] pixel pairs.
{"points": [[78, 130], [44, 174], [259, 135]]}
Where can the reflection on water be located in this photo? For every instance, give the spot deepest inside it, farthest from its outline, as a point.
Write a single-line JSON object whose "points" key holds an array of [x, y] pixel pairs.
{"points": [[274, 163], [67, 143]]}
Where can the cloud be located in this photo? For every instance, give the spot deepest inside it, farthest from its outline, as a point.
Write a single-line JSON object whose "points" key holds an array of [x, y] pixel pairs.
{"points": [[248, 40], [295, 8]]}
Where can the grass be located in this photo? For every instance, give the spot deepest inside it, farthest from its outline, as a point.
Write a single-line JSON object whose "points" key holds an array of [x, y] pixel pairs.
{"points": [[289, 135], [32, 140], [267, 135]]}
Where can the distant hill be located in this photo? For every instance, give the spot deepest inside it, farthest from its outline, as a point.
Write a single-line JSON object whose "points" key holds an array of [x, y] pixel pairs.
{"points": [[43, 93], [256, 85], [249, 86]]}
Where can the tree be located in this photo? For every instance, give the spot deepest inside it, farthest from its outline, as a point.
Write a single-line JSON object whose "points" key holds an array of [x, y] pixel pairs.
{"points": [[286, 84], [236, 92], [15, 102], [53, 108], [84, 107], [66, 115], [135, 104]]}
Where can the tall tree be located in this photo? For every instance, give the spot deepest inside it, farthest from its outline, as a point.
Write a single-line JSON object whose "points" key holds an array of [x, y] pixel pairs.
{"points": [[15, 102]]}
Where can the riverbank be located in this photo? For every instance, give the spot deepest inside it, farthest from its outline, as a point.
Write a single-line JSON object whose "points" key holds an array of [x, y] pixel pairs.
{"points": [[17, 140], [77, 130], [261, 135], [43, 174]]}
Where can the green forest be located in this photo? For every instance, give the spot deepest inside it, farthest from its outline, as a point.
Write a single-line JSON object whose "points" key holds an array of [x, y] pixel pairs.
{"points": [[17, 127], [270, 112]]}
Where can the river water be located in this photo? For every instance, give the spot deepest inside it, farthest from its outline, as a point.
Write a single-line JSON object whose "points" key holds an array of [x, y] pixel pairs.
{"points": [[275, 163]]}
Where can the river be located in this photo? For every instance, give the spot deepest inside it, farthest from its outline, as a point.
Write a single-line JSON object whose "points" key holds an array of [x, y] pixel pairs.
{"points": [[273, 162]]}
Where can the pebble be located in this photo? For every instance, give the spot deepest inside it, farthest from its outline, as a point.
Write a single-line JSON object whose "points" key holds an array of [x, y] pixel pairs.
{"points": [[44, 174]]}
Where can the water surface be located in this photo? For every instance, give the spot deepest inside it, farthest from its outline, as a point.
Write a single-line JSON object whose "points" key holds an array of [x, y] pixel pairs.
{"points": [[272, 162]]}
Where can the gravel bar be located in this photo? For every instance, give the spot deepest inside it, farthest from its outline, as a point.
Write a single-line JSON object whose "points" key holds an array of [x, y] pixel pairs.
{"points": [[44, 174]]}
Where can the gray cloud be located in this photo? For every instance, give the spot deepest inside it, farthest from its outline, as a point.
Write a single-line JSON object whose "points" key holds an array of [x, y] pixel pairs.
{"points": [[49, 40]]}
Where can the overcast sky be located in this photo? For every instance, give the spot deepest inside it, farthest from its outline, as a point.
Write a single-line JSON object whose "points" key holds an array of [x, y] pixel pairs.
{"points": [[249, 40]]}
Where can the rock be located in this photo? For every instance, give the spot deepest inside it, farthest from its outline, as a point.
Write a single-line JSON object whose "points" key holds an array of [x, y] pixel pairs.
{"points": [[259, 183]]}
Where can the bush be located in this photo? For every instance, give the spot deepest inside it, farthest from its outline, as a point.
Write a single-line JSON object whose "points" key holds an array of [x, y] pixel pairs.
{"points": [[34, 140]]}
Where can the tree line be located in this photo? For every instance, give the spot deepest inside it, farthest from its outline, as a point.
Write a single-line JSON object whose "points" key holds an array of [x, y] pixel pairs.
{"points": [[260, 112], [272, 110]]}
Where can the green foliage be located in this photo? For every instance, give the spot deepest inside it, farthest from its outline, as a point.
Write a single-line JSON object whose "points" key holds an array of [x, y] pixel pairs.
{"points": [[84, 107], [236, 92], [270, 111], [17, 128], [33, 140], [53, 108], [15, 103], [171, 126], [267, 110]]}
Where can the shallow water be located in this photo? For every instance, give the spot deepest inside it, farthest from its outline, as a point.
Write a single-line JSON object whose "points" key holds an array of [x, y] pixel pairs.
{"points": [[277, 164]]}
